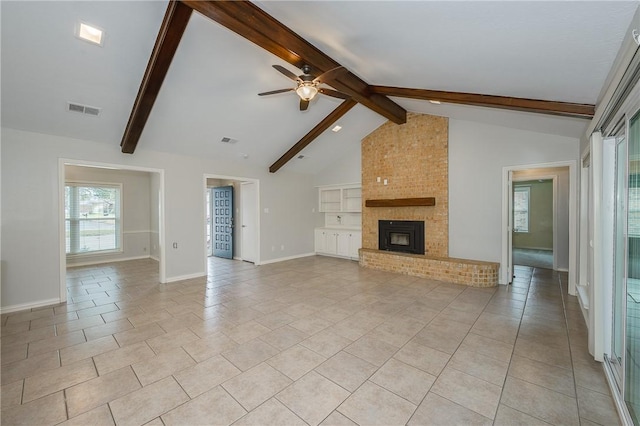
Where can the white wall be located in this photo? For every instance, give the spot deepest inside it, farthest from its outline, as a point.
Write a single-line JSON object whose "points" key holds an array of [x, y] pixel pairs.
{"points": [[30, 224], [346, 169], [136, 220], [477, 154]]}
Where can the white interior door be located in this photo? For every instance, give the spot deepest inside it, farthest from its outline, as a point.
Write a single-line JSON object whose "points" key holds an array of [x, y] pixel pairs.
{"points": [[249, 217]]}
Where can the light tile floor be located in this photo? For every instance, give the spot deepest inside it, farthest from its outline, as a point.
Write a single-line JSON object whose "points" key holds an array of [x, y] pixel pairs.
{"points": [[309, 341]]}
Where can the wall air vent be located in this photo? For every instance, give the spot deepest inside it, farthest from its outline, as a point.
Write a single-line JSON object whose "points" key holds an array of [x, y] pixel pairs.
{"points": [[228, 140], [83, 109]]}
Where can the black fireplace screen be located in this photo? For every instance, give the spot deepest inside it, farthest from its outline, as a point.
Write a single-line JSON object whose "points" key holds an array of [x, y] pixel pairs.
{"points": [[401, 235]]}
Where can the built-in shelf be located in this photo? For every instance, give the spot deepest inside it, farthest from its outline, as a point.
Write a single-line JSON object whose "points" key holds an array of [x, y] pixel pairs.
{"points": [[402, 202]]}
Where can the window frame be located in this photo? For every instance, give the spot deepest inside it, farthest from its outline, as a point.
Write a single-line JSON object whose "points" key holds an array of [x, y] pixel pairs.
{"points": [[527, 189], [118, 235]]}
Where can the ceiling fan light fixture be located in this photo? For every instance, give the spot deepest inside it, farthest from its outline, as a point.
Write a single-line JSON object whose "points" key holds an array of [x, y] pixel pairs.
{"points": [[307, 90]]}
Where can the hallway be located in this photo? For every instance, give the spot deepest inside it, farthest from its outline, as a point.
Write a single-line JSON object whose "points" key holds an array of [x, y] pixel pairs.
{"points": [[316, 340]]}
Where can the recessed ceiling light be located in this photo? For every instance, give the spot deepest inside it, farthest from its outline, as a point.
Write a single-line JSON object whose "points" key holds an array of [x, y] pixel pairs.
{"points": [[336, 129], [435, 102], [90, 33]]}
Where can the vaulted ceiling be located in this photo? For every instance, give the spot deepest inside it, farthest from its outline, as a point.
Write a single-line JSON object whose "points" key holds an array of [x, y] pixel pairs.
{"points": [[554, 51]]}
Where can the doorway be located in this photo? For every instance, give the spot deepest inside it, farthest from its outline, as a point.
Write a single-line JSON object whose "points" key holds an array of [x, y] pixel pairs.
{"points": [[563, 218], [534, 222], [231, 216], [221, 221], [109, 213]]}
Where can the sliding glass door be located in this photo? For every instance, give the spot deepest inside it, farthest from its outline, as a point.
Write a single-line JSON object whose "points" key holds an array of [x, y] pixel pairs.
{"points": [[616, 356], [631, 310], [623, 355]]}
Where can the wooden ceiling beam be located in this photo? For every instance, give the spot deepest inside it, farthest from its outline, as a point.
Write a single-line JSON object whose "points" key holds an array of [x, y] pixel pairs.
{"points": [[173, 26], [257, 26], [328, 121], [565, 109]]}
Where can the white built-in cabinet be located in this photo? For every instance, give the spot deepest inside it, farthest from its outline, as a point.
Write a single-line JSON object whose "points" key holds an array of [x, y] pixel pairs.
{"points": [[338, 242], [342, 234], [347, 198]]}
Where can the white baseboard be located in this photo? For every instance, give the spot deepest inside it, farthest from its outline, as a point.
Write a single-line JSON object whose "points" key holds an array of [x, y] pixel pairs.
{"points": [[185, 277], [562, 270], [157, 259], [98, 262], [355, 259], [282, 259], [31, 305]]}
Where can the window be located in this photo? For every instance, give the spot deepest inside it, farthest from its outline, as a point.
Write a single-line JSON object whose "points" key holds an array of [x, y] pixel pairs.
{"points": [[92, 217], [521, 196]]}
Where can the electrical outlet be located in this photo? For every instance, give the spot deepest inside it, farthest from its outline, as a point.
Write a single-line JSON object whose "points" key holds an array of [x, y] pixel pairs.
{"points": [[282, 247], [175, 245], [144, 249]]}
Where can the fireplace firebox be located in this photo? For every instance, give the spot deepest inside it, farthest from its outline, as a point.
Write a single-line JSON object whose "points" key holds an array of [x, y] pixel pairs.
{"points": [[405, 236]]}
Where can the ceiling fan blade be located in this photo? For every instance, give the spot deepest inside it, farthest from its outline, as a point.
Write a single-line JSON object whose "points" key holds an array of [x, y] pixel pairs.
{"points": [[286, 72], [304, 105], [331, 74], [273, 92], [334, 93]]}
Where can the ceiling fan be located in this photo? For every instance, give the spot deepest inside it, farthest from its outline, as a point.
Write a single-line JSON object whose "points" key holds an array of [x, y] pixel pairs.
{"points": [[308, 86]]}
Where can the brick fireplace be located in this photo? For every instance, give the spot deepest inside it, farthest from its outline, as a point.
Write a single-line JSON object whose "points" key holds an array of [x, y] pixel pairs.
{"points": [[402, 165]]}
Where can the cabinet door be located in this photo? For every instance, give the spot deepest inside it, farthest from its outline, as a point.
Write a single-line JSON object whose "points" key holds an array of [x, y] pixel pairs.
{"points": [[320, 241], [355, 243], [331, 242], [343, 243]]}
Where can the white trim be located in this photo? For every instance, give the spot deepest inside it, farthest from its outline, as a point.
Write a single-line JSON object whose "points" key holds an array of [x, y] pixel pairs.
{"points": [[154, 258], [30, 305], [185, 277], [572, 217], [99, 262], [282, 259]]}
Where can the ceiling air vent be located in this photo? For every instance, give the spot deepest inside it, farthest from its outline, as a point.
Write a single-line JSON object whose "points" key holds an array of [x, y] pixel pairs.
{"points": [[83, 109], [228, 140]]}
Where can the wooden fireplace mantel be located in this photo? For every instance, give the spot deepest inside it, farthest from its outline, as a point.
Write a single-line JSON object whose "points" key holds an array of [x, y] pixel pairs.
{"points": [[401, 202]]}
